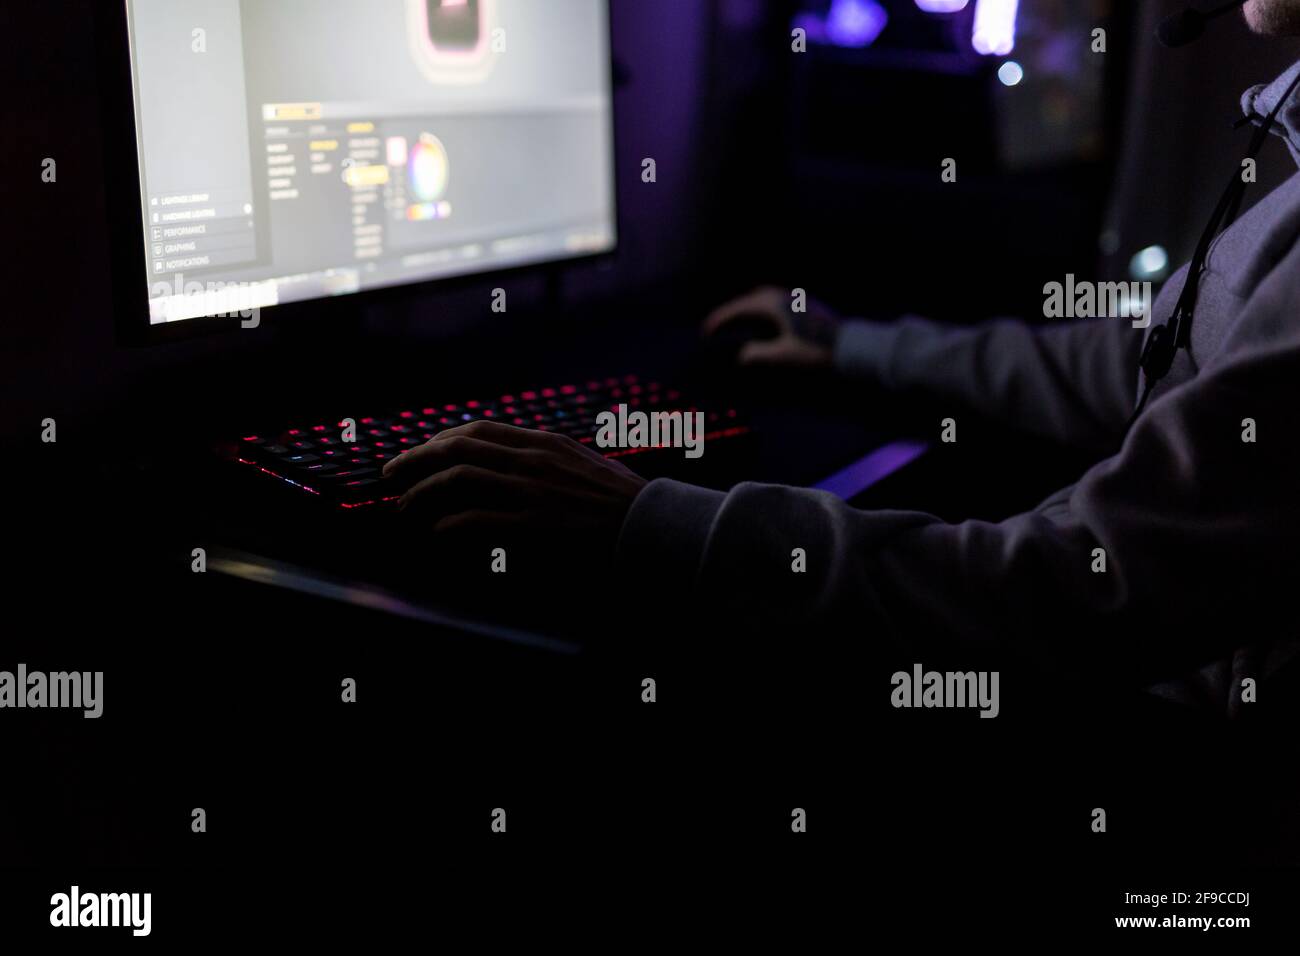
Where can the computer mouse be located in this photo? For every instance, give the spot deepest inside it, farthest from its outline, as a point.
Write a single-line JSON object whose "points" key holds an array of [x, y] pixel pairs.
{"points": [[723, 347]]}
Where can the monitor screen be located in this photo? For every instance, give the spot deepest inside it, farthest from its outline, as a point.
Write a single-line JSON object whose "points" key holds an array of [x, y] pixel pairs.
{"points": [[295, 149]]}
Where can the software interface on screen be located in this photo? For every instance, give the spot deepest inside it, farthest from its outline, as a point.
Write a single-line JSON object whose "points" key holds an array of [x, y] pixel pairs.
{"points": [[293, 149]]}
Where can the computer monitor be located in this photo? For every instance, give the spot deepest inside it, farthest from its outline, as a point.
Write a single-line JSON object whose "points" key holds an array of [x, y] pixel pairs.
{"points": [[288, 151]]}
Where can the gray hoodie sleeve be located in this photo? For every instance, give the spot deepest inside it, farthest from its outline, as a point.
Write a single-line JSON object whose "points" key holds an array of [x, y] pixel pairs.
{"points": [[1073, 382], [1191, 520]]}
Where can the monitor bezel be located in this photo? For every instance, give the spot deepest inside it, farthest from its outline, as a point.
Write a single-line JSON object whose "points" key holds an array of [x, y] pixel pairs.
{"points": [[128, 251]]}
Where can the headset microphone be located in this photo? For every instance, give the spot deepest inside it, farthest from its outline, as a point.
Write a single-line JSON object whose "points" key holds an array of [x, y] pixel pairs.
{"points": [[1182, 28]]}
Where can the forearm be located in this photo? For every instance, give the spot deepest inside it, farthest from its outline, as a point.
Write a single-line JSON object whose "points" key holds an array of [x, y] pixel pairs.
{"points": [[1073, 383]]}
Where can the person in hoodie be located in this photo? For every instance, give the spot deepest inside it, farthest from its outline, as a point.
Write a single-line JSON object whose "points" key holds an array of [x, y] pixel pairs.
{"points": [[1195, 526]]}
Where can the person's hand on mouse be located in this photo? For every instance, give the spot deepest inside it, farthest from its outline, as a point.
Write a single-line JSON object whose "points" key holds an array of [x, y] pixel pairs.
{"points": [[794, 339], [491, 479]]}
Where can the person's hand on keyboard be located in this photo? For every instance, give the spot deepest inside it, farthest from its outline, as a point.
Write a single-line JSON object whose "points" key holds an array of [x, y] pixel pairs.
{"points": [[490, 478], [763, 328]]}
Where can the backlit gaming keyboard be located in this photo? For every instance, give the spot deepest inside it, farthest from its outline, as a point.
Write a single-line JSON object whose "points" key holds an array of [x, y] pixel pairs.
{"points": [[314, 458]]}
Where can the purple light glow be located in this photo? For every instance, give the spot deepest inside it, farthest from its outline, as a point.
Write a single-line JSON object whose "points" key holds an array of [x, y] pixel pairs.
{"points": [[994, 33], [875, 467], [942, 6], [855, 23]]}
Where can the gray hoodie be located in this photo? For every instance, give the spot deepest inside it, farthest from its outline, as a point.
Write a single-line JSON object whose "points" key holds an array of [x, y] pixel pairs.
{"points": [[1193, 520]]}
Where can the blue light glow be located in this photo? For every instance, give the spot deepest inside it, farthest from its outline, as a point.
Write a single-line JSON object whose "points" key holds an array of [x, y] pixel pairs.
{"points": [[1151, 263], [855, 23], [1011, 73]]}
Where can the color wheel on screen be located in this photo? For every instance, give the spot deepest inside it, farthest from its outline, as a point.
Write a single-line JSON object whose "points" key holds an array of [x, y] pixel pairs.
{"points": [[427, 168]]}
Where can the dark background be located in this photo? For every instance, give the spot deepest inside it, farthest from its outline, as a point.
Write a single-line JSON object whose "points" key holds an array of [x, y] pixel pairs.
{"points": [[818, 171]]}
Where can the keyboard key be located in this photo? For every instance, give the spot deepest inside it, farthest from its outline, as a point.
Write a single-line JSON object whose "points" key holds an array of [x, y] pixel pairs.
{"points": [[351, 473]]}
